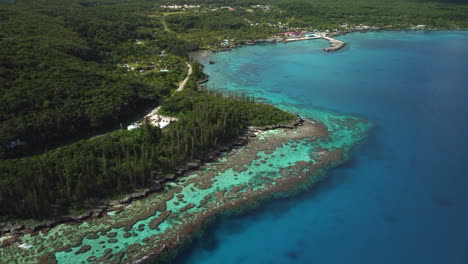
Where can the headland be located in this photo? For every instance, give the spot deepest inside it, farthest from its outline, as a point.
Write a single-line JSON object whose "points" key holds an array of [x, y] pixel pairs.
{"points": [[276, 162]]}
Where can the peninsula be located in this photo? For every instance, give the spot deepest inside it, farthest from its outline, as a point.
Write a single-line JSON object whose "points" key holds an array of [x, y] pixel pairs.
{"points": [[276, 162]]}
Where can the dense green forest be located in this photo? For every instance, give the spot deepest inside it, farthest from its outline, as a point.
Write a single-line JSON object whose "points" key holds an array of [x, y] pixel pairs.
{"points": [[211, 23], [71, 70], [399, 14], [121, 161], [59, 70], [61, 74]]}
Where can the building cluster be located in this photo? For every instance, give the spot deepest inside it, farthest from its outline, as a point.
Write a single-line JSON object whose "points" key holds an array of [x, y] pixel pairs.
{"points": [[151, 66], [299, 34], [228, 8], [361, 26], [264, 7], [180, 6], [420, 26]]}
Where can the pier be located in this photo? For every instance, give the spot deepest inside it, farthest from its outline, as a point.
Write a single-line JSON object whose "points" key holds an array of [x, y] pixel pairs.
{"points": [[298, 39], [334, 44]]}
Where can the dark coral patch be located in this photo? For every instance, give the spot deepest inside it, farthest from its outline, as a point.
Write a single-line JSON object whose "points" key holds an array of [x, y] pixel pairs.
{"points": [[444, 203], [93, 236], [112, 234], [187, 207], [391, 219], [293, 255], [83, 249], [241, 169], [158, 220]]}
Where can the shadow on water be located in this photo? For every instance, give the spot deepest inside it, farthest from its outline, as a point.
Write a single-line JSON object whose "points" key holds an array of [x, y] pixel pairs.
{"points": [[373, 148], [292, 255], [444, 203], [391, 219]]}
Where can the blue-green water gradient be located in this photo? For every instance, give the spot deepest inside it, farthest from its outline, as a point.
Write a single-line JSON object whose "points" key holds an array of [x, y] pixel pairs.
{"points": [[404, 196]]}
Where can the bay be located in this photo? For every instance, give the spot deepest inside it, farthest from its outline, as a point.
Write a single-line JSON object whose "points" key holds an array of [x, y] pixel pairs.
{"points": [[403, 197]]}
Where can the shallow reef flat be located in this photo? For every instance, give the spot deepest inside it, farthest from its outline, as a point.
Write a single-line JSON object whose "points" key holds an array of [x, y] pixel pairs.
{"points": [[276, 163]]}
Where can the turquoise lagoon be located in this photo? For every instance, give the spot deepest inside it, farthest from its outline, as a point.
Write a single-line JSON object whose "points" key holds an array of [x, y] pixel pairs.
{"points": [[403, 197]]}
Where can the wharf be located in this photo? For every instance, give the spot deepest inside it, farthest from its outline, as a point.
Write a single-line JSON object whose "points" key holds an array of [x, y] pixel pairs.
{"points": [[298, 39], [334, 44]]}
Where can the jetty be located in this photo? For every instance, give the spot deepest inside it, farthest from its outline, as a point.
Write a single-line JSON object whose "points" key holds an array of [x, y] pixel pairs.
{"points": [[298, 39], [334, 44], [298, 36]]}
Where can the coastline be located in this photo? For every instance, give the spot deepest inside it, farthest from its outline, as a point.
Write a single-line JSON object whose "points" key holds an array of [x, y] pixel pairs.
{"points": [[157, 186], [118, 206], [370, 175], [171, 252], [335, 44], [167, 221]]}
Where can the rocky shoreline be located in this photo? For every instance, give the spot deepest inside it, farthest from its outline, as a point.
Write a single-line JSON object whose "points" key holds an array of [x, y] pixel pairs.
{"points": [[335, 45], [278, 161], [7, 229]]}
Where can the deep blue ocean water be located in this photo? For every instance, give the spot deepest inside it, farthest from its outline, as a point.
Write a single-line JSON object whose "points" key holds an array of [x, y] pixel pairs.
{"points": [[403, 198]]}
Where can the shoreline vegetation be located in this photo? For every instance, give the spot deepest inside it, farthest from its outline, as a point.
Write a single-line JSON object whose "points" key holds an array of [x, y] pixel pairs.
{"points": [[155, 186], [335, 44], [275, 163], [68, 75], [189, 106]]}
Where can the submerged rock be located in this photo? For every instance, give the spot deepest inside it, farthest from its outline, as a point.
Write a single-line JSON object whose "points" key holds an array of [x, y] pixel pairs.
{"points": [[155, 186], [83, 249], [17, 229], [193, 165]]}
